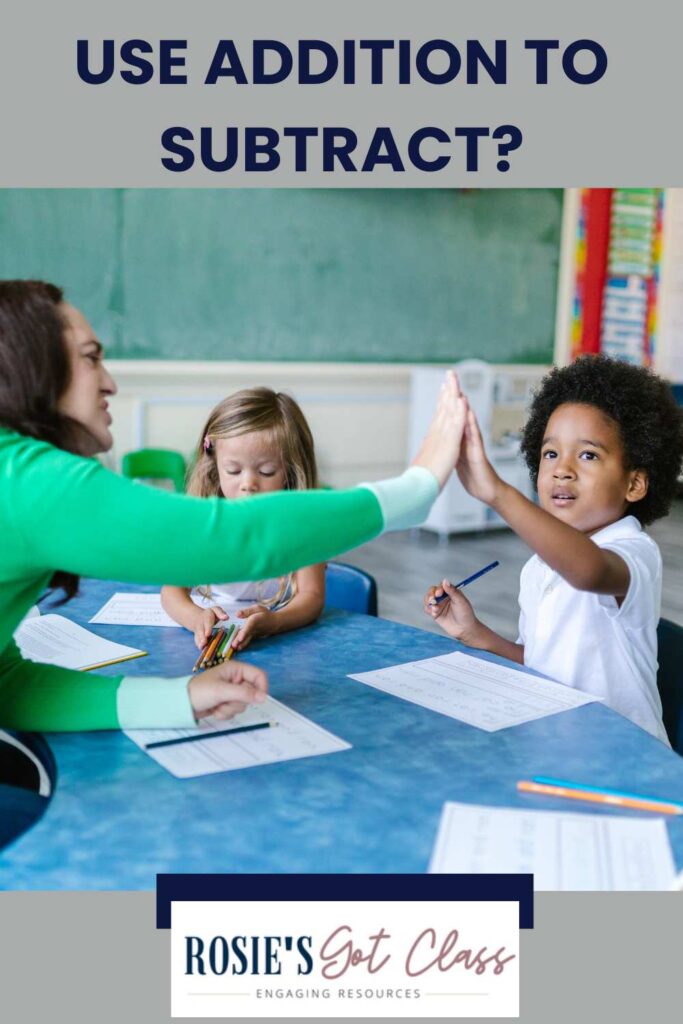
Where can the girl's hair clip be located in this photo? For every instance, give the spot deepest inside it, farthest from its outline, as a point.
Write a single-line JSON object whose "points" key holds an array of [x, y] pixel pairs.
{"points": [[208, 444]]}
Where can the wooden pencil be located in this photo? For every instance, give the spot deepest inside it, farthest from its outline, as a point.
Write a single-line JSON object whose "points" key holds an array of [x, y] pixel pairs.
{"points": [[195, 667], [219, 654], [211, 649], [231, 649]]}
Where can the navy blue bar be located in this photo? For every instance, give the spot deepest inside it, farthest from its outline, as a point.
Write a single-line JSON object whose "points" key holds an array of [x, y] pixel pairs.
{"points": [[313, 888]]}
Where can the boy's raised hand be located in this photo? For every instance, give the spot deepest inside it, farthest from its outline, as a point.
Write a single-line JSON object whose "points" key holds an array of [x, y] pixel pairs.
{"points": [[455, 614], [475, 472]]}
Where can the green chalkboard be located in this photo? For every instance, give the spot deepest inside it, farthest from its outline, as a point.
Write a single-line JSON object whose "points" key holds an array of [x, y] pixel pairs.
{"points": [[406, 275]]}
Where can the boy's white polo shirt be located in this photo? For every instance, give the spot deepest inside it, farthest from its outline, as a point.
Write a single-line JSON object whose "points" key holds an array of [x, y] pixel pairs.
{"points": [[587, 641]]}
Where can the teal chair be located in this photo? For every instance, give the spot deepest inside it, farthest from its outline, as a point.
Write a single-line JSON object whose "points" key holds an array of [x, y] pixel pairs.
{"points": [[155, 464], [670, 680], [350, 589]]}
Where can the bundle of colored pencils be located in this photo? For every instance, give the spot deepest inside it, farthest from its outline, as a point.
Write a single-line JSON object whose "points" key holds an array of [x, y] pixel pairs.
{"points": [[217, 650]]}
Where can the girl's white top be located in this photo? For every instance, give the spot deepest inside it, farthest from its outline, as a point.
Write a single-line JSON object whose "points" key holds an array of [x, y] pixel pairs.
{"points": [[230, 595]]}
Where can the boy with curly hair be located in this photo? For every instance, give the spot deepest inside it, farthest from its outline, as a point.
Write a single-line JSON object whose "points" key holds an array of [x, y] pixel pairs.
{"points": [[604, 445]]}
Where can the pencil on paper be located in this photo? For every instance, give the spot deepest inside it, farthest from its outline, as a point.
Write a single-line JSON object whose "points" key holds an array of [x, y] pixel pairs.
{"points": [[115, 661], [612, 798], [197, 736]]}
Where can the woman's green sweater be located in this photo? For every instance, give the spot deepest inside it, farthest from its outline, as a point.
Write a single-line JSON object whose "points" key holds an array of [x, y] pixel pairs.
{"points": [[61, 511]]}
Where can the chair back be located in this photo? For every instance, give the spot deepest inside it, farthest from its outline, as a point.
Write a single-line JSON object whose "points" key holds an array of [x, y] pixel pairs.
{"points": [[27, 780], [670, 680], [350, 589], [155, 464]]}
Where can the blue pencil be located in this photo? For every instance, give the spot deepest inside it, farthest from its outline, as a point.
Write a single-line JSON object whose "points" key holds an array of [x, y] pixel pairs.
{"points": [[470, 579], [605, 791]]}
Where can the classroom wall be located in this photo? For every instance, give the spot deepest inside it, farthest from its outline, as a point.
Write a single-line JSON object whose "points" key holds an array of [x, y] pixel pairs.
{"points": [[329, 294], [359, 414], [395, 275]]}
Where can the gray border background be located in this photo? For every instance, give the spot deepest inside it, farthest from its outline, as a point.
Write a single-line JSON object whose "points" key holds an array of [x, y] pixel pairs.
{"points": [[98, 955], [59, 131]]}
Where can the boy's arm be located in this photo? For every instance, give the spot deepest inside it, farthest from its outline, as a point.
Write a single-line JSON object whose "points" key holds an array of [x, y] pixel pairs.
{"points": [[569, 552], [578, 559], [494, 643]]}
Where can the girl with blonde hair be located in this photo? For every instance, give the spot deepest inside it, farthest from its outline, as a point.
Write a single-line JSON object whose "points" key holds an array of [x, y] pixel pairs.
{"points": [[254, 442]]}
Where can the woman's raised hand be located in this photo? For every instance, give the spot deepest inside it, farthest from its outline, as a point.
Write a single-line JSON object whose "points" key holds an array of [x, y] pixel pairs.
{"points": [[440, 449]]}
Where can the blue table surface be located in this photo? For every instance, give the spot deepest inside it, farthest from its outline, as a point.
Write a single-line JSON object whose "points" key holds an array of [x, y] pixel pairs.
{"points": [[117, 818]]}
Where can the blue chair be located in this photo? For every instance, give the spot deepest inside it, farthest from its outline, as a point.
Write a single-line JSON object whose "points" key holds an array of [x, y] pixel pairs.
{"points": [[350, 589], [27, 779], [670, 680]]}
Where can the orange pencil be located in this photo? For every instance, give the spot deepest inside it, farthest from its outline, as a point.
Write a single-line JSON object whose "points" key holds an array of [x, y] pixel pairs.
{"points": [[612, 799], [211, 649]]}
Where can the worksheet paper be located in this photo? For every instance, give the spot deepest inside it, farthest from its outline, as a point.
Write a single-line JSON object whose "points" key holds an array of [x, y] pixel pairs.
{"points": [[290, 736], [577, 852], [134, 610], [480, 693], [55, 640], [146, 610]]}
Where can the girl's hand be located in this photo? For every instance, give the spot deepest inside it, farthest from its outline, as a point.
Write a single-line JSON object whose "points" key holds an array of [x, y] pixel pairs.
{"points": [[476, 473], [439, 450], [455, 614], [205, 620], [227, 689], [259, 623]]}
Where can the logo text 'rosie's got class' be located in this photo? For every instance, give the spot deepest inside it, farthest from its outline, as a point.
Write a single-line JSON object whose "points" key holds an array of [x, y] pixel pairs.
{"points": [[267, 955], [460, 958]]}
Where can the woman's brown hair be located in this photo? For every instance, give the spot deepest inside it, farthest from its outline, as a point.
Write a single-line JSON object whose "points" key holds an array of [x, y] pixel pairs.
{"points": [[35, 373]]}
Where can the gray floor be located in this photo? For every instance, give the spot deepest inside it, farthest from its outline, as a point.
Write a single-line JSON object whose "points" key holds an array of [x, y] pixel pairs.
{"points": [[406, 564]]}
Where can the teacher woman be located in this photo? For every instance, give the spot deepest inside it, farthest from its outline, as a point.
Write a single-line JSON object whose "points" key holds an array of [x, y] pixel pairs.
{"points": [[63, 515]]}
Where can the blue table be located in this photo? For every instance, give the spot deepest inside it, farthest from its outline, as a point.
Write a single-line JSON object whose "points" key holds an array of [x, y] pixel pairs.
{"points": [[118, 818]]}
